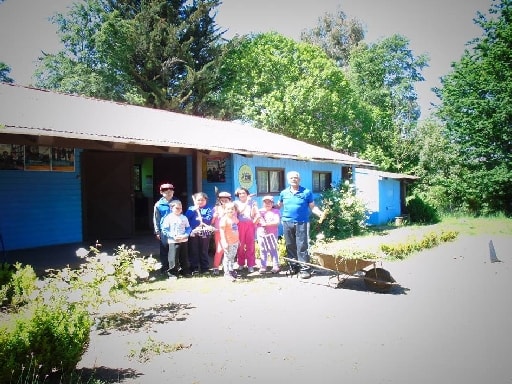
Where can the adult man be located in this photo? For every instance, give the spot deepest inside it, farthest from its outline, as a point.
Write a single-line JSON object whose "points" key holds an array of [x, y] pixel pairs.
{"points": [[160, 210], [297, 202]]}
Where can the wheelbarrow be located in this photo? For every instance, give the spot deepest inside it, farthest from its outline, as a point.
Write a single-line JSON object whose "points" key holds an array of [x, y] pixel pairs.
{"points": [[376, 279]]}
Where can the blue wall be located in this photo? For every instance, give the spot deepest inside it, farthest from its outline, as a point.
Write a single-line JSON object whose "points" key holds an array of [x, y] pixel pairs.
{"points": [[381, 195], [39, 208], [305, 169]]}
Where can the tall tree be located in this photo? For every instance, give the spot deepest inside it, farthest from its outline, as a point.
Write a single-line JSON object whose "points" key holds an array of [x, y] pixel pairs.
{"points": [[290, 88], [477, 108], [383, 75], [157, 53], [336, 35]]}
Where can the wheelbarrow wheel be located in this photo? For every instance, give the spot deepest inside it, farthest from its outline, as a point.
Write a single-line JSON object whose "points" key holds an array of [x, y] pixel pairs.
{"points": [[378, 280]]}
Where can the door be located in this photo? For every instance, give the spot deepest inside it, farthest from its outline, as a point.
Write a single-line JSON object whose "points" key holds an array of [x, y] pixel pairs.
{"points": [[171, 170], [107, 195]]}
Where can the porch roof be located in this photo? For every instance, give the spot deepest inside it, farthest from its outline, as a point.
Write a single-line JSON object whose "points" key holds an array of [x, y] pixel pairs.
{"points": [[387, 175], [41, 113]]}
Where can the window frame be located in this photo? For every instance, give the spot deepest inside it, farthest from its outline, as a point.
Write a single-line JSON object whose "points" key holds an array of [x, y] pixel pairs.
{"points": [[316, 177], [267, 189]]}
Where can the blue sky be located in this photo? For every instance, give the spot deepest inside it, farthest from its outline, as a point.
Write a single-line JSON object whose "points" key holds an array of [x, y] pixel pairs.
{"points": [[439, 28]]}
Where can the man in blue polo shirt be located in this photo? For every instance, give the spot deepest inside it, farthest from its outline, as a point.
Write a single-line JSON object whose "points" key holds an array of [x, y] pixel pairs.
{"points": [[297, 202]]}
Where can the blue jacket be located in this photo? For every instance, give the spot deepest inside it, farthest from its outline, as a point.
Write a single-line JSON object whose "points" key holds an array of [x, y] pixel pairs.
{"points": [[160, 210]]}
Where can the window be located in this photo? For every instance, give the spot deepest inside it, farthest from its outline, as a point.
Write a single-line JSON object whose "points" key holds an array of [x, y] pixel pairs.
{"points": [[269, 180], [346, 173], [321, 181]]}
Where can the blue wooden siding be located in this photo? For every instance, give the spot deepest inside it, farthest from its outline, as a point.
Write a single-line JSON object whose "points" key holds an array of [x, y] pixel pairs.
{"points": [[381, 196], [305, 169], [39, 208]]}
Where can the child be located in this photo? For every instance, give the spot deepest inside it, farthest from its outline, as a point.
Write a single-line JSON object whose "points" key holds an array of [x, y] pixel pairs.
{"points": [[248, 217], [228, 229], [199, 216], [175, 230], [267, 232], [218, 212]]}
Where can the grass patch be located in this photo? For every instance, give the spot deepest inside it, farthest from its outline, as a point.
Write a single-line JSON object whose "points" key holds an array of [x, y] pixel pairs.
{"points": [[498, 225]]}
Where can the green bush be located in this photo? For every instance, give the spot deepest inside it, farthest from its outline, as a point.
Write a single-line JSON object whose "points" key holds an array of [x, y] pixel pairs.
{"points": [[17, 284], [421, 212], [345, 217], [49, 333], [49, 337]]}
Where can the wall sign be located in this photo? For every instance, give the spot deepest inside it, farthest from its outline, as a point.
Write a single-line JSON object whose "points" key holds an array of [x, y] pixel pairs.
{"points": [[36, 158], [245, 176]]}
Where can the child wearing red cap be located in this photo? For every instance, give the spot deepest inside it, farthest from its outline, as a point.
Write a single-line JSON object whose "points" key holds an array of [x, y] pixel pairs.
{"points": [[160, 210]]}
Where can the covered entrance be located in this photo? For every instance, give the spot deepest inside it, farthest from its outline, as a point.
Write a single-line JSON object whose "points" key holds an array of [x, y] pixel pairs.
{"points": [[116, 202]]}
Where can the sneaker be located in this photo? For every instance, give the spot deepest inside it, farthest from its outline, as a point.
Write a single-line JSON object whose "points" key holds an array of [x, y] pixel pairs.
{"points": [[275, 270], [234, 274], [215, 272], [251, 269], [304, 274], [194, 273], [172, 277], [294, 269], [263, 270]]}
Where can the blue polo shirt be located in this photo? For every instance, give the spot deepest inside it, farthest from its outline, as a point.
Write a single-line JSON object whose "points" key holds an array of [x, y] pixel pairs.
{"points": [[296, 205]]}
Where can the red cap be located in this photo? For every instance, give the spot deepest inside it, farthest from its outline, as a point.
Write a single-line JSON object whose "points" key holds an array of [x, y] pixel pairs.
{"points": [[166, 186]]}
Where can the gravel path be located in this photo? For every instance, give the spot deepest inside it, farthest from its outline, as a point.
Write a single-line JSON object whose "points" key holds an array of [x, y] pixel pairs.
{"points": [[448, 321]]}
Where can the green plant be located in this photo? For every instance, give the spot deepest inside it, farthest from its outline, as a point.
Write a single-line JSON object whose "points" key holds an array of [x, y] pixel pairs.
{"points": [[17, 284], [346, 214], [421, 212], [49, 337], [50, 333], [401, 250]]}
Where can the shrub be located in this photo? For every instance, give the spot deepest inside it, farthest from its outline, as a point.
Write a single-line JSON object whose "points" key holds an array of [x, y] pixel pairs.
{"points": [[346, 214], [17, 284], [51, 332], [50, 337], [421, 212]]}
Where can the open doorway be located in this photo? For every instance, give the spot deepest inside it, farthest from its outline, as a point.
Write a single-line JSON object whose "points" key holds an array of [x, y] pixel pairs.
{"points": [[171, 170]]}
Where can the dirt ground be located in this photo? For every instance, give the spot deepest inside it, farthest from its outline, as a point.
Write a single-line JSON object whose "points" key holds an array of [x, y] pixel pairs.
{"points": [[448, 320]]}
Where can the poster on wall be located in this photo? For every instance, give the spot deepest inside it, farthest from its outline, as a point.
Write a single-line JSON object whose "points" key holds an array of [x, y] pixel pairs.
{"points": [[216, 170], [37, 158], [245, 176], [63, 159], [11, 156]]}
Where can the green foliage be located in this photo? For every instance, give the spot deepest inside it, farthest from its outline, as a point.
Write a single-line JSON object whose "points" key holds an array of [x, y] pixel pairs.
{"points": [[420, 211], [401, 250], [156, 53], [345, 217], [336, 35], [383, 75], [52, 338], [17, 283], [478, 113], [289, 88], [51, 330]]}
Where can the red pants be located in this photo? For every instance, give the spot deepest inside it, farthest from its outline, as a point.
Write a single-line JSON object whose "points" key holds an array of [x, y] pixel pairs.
{"points": [[245, 253]]}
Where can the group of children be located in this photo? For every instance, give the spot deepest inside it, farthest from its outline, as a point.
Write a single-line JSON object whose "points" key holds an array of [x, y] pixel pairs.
{"points": [[235, 225]]}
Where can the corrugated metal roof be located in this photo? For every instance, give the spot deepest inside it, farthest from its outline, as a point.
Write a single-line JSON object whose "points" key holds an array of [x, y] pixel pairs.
{"points": [[389, 175], [29, 111]]}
